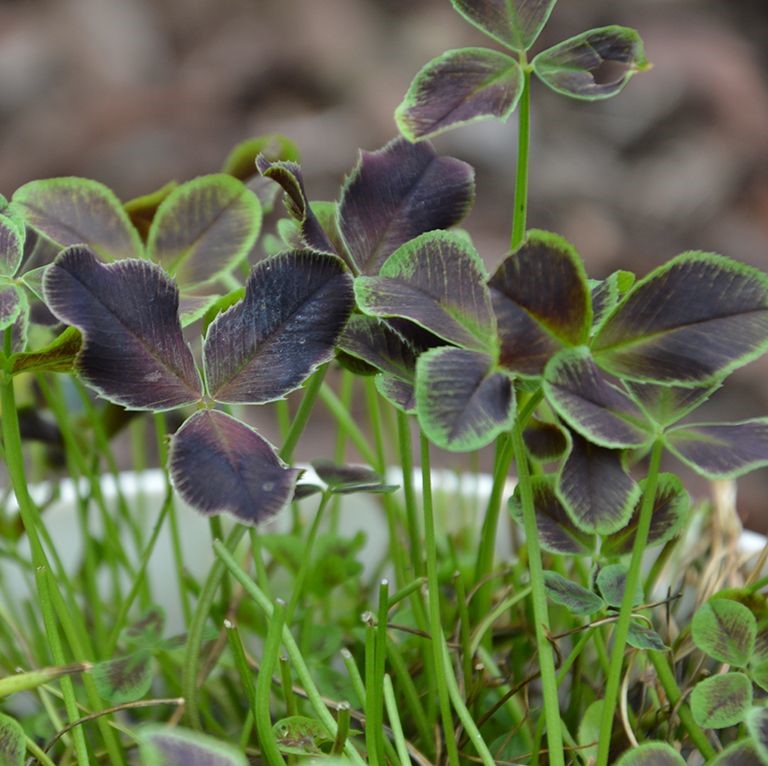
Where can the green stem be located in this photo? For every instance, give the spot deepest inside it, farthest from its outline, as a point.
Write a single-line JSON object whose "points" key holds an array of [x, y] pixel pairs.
{"points": [[521, 175], [14, 461], [435, 623], [394, 722], [621, 632], [539, 599], [411, 507]]}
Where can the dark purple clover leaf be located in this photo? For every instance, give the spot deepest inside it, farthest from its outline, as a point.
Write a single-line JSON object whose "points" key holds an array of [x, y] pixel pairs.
{"points": [[691, 321], [12, 304], [204, 228], [142, 210], [612, 582], [396, 193], [20, 325], [436, 280], [726, 630], [13, 744], [401, 393], [721, 450], [11, 246], [220, 465], [557, 533], [458, 87], [741, 753], [514, 23], [463, 402], [544, 441], [722, 700], [666, 405], [591, 405], [574, 597], [640, 636], [542, 302], [241, 161], [174, 746], [288, 175], [133, 352], [593, 65], [295, 307], [608, 293], [651, 754], [595, 488], [78, 211], [124, 679], [349, 479], [670, 513]]}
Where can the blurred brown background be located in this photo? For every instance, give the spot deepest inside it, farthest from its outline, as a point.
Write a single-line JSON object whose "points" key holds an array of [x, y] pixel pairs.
{"points": [[136, 92]]}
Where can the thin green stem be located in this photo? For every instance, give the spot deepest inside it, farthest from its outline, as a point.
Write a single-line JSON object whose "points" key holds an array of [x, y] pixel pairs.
{"points": [[394, 722], [613, 681], [539, 600], [435, 623], [521, 176], [411, 507], [262, 717]]}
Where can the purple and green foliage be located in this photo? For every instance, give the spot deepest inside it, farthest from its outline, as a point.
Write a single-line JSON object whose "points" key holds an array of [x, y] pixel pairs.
{"points": [[175, 746], [514, 23], [593, 65], [437, 281], [591, 405], [462, 401], [651, 754], [726, 630], [203, 229], [666, 405], [557, 532], [722, 700], [608, 293], [219, 464], [133, 351], [458, 87], [396, 193], [295, 307], [721, 450], [13, 744], [575, 598], [640, 636], [77, 211], [542, 302], [757, 724], [348, 479], [689, 322], [612, 582], [742, 753], [595, 488], [544, 441]]}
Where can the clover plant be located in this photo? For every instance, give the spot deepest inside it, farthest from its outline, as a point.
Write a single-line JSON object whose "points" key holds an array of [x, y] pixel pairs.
{"points": [[172, 302]]}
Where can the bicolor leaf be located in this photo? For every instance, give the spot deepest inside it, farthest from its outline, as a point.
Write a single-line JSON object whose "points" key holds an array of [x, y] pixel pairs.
{"points": [[460, 86], [241, 160], [13, 743], [12, 303], [220, 465], [557, 532], [396, 193], [651, 754], [378, 344], [288, 175], [595, 488], [78, 211], [593, 65], [142, 210], [462, 402], [401, 393], [612, 582], [721, 701], [124, 679], [20, 325], [514, 23], [544, 441], [691, 322], [204, 228], [542, 302], [725, 630], [669, 515], [438, 281], [591, 405], [607, 294], [742, 753], [721, 450], [640, 636], [666, 404], [11, 247], [133, 352], [757, 724], [758, 672], [57, 356], [294, 309], [574, 597], [175, 746], [347, 479]]}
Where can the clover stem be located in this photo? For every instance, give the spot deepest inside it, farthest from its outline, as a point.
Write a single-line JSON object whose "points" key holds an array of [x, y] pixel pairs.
{"points": [[621, 632], [521, 175]]}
